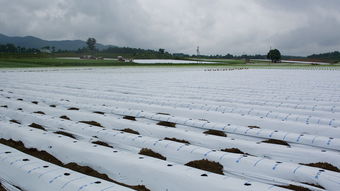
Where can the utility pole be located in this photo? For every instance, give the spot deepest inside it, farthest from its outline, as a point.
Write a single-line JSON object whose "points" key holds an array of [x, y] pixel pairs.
{"points": [[198, 53]]}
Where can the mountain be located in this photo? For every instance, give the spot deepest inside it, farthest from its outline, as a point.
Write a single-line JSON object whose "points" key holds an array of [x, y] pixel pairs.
{"points": [[34, 42]]}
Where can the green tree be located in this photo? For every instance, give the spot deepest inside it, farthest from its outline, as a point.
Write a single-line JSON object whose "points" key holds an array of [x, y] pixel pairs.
{"points": [[91, 43], [274, 55], [161, 50]]}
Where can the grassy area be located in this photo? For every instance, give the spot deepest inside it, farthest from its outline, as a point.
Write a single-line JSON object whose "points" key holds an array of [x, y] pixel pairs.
{"points": [[57, 62]]}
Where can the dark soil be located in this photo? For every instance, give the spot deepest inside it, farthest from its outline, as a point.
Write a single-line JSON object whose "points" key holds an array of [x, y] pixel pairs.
{"points": [[102, 144], [166, 124], [53, 106], [94, 123], [323, 165], [129, 118], [20, 109], [19, 99], [99, 112], [73, 108], [315, 185], [254, 127], [72, 166], [207, 165], [203, 120], [5, 106], [151, 153], [233, 150], [65, 134], [35, 102], [176, 140], [15, 121], [215, 132], [64, 117], [128, 130], [163, 113], [294, 187], [33, 152], [278, 142], [37, 126], [2, 188], [39, 112]]}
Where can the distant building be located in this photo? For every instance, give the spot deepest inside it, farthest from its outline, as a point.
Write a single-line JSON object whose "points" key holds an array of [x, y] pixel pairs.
{"points": [[90, 57], [45, 50]]}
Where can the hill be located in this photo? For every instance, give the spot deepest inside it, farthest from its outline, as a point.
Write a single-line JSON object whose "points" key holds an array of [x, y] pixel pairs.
{"points": [[34, 42], [331, 56]]}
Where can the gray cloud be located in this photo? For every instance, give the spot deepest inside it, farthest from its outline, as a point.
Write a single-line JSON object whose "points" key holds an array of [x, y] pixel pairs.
{"points": [[296, 27]]}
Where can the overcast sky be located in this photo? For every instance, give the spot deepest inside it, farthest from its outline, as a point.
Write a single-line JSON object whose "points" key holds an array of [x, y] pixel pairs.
{"points": [[296, 27]]}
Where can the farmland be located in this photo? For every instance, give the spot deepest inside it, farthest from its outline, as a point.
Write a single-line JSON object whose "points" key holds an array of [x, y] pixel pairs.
{"points": [[169, 128]]}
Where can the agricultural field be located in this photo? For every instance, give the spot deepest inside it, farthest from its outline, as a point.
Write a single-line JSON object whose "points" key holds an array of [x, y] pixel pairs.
{"points": [[170, 129]]}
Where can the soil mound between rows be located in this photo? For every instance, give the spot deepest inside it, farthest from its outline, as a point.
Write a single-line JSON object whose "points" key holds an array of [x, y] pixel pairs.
{"points": [[166, 124], [207, 165], [215, 132], [177, 140], [128, 130], [151, 153]]}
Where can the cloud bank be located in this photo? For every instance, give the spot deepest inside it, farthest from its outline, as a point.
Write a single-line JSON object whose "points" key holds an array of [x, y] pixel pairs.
{"points": [[296, 27]]}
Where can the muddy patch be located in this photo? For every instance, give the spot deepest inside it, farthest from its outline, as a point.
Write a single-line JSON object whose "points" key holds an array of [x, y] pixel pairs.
{"points": [[14, 121], [72, 166], [65, 134], [73, 109], [177, 140], [99, 112], [19, 109], [215, 132], [253, 127], [53, 106], [64, 117], [275, 141], [233, 150], [131, 118], [39, 112], [323, 165], [35, 102], [128, 130], [94, 123], [37, 126], [4, 106], [151, 153], [207, 165], [19, 99], [102, 144], [167, 124]]}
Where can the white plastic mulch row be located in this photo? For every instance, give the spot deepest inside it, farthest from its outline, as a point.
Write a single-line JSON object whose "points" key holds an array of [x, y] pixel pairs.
{"points": [[126, 167], [32, 174], [278, 152], [252, 167], [292, 114], [314, 117]]}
